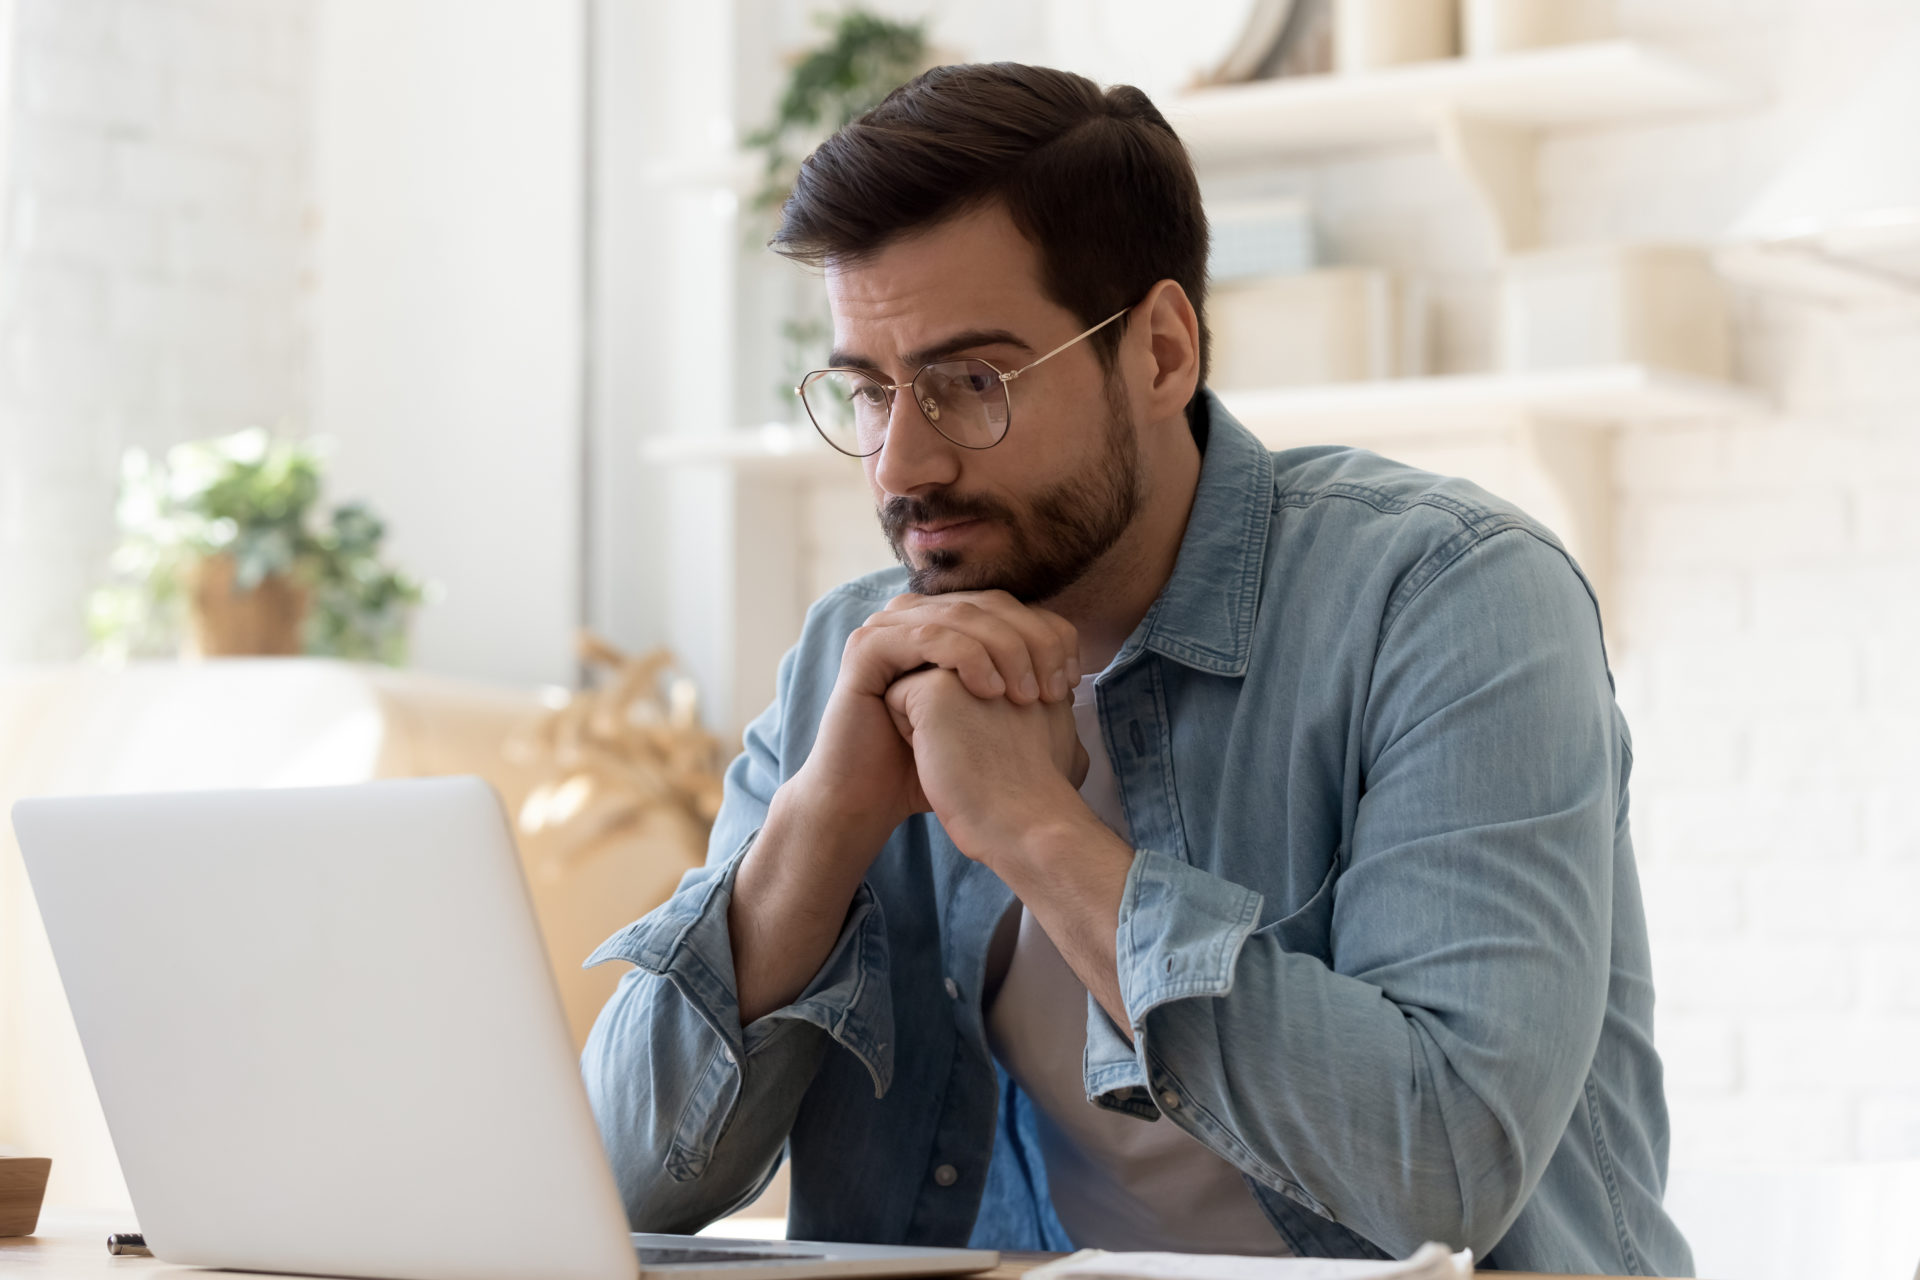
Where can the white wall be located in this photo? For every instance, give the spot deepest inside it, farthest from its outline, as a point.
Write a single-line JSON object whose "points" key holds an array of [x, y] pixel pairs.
{"points": [[151, 291], [168, 170], [667, 245], [447, 317], [151, 269], [1769, 617]]}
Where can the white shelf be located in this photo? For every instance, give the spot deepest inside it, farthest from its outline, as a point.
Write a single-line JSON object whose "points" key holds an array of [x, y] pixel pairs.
{"points": [[773, 449], [1394, 409], [1484, 113], [1569, 85], [1808, 269], [1412, 407]]}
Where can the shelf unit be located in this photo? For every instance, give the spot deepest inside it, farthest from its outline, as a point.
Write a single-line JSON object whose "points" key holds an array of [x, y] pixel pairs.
{"points": [[1558, 87], [1397, 409], [1404, 408], [774, 449], [1543, 439], [1485, 113]]}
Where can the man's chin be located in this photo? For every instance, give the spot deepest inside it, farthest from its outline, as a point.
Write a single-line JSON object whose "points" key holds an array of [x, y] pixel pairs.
{"points": [[950, 573], [942, 571]]}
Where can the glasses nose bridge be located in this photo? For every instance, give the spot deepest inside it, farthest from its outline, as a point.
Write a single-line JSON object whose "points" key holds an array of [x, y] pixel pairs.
{"points": [[912, 387], [893, 390]]}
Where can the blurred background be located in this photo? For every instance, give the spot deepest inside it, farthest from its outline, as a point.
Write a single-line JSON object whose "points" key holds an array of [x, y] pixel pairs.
{"points": [[419, 337]]}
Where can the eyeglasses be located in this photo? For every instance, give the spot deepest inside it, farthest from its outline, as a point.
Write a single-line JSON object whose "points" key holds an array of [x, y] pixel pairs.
{"points": [[964, 400]]}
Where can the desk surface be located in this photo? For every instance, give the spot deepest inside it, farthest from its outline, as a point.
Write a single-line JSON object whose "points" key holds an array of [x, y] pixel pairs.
{"points": [[73, 1246]]}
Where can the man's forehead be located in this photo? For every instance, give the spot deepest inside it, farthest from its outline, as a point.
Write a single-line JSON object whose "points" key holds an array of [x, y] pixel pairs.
{"points": [[974, 271]]}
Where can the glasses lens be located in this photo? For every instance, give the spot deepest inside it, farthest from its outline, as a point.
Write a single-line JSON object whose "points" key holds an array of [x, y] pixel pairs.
{"points": [[965, 400], [849, 409]]}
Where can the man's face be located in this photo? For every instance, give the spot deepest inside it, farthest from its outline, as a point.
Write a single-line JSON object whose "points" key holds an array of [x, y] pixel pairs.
{"points": [[1033, 513]]}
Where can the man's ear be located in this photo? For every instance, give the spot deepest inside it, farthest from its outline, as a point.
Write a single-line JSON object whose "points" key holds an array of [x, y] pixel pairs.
{"points": [[1171, 349]]}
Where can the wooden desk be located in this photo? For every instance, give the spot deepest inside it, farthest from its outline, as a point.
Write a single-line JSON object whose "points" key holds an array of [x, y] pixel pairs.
{"points": [[73, 1246]]}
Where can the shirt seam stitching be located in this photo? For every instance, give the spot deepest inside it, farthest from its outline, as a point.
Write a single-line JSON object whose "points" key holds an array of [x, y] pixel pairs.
{"points": [[1628, 1255]]}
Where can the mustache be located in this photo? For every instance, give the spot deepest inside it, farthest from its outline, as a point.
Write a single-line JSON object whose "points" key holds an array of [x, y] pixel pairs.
{"points": [[902, 512]]}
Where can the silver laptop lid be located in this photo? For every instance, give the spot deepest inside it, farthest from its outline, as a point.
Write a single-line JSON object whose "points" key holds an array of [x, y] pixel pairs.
{"points": [[324, 1033]]}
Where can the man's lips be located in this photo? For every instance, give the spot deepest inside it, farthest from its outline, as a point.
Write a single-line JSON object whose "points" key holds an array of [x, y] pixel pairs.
{"points": [[940, 533]]}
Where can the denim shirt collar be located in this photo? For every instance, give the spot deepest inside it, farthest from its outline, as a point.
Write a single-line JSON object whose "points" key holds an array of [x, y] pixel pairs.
{"points": [[1204, 616]]}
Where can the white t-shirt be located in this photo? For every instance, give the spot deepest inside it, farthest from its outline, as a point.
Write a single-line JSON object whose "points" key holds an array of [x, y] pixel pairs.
{"points": [[1118, 1182]]}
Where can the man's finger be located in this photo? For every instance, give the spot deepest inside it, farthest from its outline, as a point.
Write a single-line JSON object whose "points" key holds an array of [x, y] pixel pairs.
{"points": [[1036, 651], [878, 655]]}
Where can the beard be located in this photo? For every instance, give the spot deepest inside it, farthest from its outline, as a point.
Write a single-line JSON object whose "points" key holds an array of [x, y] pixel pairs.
{"points": [[1055, 537]]}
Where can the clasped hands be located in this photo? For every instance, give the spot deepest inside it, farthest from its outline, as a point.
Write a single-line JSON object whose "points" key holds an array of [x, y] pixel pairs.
{"points": [[960, 704]]}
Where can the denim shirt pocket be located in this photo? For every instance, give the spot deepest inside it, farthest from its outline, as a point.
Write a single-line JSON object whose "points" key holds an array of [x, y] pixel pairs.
{"points": [[1308, 928]]}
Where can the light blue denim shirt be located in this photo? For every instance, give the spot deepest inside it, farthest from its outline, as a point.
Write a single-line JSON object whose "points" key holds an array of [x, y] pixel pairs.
{"points": [[1381, 946]]}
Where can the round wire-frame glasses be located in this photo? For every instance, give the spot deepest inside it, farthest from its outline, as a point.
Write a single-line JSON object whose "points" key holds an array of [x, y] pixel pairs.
{"points": [[965, 400]]}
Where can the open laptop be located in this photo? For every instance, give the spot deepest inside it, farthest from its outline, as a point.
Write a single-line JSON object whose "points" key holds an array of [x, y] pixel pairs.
{"points": [[326, 1039]]}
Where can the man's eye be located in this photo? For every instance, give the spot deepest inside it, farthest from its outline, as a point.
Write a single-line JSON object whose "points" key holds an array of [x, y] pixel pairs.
{"points": [[870, 396]]}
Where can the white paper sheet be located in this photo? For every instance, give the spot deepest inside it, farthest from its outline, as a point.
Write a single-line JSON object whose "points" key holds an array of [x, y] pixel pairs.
{"points": [[1429, 1262]]}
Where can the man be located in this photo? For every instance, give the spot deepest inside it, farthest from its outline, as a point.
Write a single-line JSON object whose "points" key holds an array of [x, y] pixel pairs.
{"points": [[1190, 846]]}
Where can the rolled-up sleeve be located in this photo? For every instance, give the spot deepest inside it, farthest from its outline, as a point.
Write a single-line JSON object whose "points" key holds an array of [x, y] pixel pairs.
{"points": [[1181, 931], [694, 1109], [1413, 1083]]}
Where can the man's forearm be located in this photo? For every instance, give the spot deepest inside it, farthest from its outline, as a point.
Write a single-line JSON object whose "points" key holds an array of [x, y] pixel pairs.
{"points": [[790, 902]]}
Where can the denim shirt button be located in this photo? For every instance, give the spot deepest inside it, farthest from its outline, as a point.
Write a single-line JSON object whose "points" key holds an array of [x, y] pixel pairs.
{"points": [[953, 989], [946, 1175], [1170, 1100]]}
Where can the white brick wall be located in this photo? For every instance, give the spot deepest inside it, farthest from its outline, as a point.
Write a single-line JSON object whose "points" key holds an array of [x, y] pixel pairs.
{"points": [[1769, 619], [152, 273]]}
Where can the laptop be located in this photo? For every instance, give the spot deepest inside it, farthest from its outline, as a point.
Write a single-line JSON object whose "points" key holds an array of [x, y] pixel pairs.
{"points": [[326, 1040]]}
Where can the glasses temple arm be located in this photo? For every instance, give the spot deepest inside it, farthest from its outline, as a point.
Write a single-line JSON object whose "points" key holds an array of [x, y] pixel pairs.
{"points": [[1009, 377]]}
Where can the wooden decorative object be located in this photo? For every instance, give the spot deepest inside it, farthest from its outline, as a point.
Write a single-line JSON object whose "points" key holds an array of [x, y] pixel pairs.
{"points": [[223, 622], [23, 1184], [617, 754]]}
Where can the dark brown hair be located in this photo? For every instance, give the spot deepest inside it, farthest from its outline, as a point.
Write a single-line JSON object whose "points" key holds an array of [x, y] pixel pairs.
{"points": [[1096, 179]]}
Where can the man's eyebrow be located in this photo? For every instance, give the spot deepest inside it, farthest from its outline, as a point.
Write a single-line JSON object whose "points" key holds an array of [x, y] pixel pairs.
{"points": [[938, 351]]}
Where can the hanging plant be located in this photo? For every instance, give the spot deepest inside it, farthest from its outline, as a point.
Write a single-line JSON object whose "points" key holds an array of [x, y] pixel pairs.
{"points": [[865, 58]]}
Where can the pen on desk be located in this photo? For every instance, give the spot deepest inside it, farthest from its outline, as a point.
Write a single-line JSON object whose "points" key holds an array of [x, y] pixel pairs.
{"points": [[130, 1243]]}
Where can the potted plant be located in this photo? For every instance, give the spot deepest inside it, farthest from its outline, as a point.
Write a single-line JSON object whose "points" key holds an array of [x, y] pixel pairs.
{"points": [[222, 553]]}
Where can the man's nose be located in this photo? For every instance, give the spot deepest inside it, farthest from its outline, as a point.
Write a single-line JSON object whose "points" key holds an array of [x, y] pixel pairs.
{"points": [[913, 455]]}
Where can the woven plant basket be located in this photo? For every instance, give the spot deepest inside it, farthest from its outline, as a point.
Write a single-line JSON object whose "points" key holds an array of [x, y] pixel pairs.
{"points": [[223, 622]]}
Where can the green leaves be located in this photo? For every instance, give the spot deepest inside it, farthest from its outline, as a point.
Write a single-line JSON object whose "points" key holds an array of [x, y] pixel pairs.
{"points": [[255, 498], [866, 58], [360, 604]]}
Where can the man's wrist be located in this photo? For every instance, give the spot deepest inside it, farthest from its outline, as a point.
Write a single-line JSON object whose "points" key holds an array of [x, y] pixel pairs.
{"points": [[821, 850], [1054, 845]]}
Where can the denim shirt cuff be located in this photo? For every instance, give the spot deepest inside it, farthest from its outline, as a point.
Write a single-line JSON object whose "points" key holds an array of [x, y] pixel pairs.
{"points": [[1181, 930], [686, 941], [1114, 1078]]}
